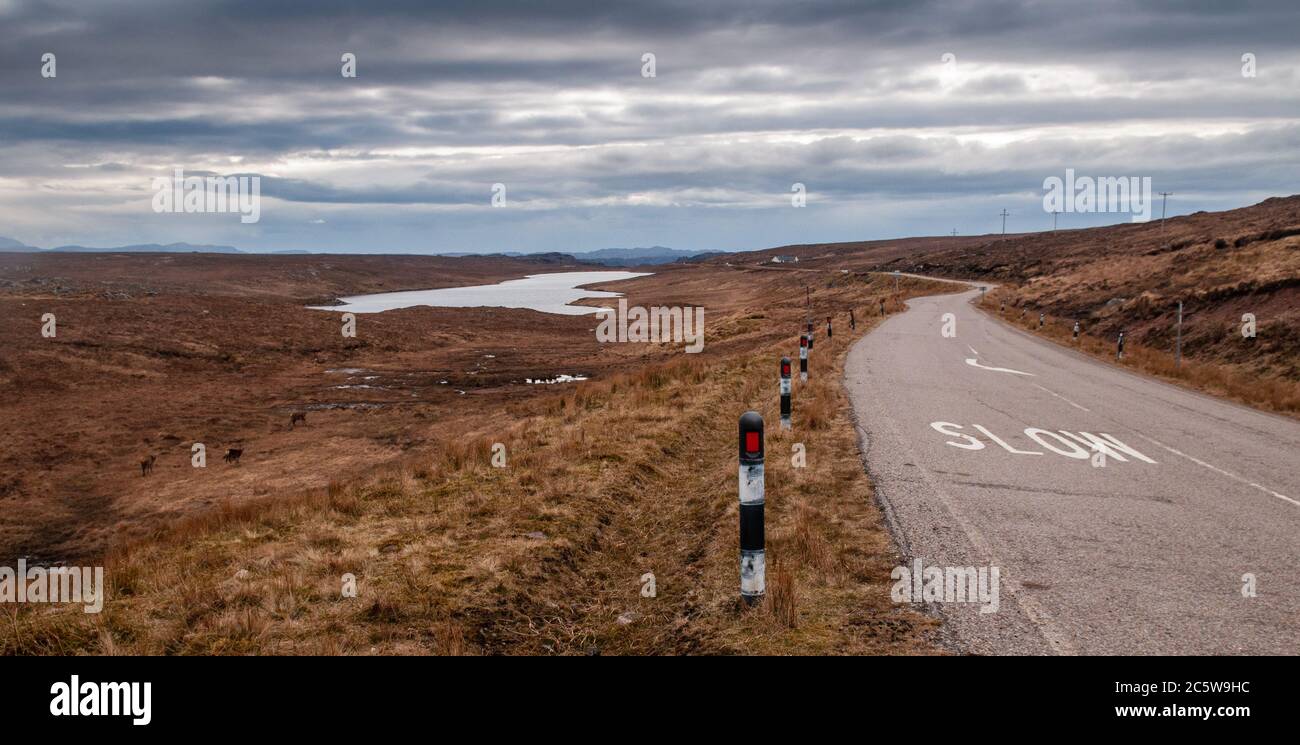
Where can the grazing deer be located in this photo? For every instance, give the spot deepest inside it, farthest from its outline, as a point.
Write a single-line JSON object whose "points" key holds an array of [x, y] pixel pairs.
{"points": [[232, 455], [298, 417], [146, 465]]}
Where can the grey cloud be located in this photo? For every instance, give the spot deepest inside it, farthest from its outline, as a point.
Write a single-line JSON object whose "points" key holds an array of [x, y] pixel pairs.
{"points": [[750, 96]]}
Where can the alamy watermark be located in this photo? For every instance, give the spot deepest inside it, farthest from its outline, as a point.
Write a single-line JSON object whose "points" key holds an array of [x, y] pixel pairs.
{"points": [[1102, 194], [95, 699], [923, 584], [654, 325], [38, 584], [211, 194]]}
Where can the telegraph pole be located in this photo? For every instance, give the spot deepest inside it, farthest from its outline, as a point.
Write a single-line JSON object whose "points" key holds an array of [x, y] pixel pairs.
{"points": [[1164, 202], [954, 232], [1054, 214], [1004, 222]]}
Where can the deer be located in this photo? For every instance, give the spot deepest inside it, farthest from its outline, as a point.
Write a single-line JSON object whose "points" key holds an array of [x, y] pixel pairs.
{"points": [[232, 455], [146, 465], [297, 417]]}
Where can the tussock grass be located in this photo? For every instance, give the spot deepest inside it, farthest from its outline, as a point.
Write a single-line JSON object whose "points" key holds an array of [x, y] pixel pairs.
{"points": [[781, 600]]}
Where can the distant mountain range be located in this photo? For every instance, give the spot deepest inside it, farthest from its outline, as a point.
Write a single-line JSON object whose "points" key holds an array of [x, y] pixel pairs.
{"points": [[639, 256], [609, 256], [604, 256], [9, 244]]}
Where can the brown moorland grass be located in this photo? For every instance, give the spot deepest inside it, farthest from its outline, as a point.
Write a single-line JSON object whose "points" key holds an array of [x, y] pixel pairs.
{"points": [[603, 484]]}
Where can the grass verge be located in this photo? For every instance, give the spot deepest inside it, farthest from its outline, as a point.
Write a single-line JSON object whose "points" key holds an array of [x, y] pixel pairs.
{"points": [[603, 485], [1269, 393]]}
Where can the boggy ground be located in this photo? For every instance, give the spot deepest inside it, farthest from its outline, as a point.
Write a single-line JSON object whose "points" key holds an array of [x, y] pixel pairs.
{"points": [[606, 481]]}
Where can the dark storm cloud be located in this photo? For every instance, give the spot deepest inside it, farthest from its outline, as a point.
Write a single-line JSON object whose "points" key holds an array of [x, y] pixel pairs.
{"points": [[750, 96]]}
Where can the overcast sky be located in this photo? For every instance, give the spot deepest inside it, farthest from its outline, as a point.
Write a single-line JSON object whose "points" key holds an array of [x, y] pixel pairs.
{"points": [[851, 99]]}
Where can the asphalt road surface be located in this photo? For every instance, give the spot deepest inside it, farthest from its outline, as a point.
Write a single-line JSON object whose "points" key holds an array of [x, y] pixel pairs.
{"points": [[984, 450]]}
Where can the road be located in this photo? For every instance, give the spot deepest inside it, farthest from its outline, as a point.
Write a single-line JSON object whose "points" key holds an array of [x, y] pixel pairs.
{"points": [[982, 446]]}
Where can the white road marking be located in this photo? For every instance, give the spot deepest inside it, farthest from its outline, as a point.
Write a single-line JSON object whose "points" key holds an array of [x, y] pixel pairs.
{"points": [[1108, 444], [972, 443], [1220, 471], [972, 350], [1059, 642], [975, 363], [1063, 398], [1006, 447], [1037, 433]]}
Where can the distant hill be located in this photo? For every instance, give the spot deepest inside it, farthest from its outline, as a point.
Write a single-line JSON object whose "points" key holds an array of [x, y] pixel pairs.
{"points": [[633, 256], [607, 256], [462, 254], [699, 256], [603, 257], [153, 248], [9, 244]]}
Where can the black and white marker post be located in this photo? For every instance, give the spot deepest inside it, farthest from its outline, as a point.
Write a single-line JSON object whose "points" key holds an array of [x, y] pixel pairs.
{"points": [[1119, 346], [803, 358], [1076, 330], [810, 334], [785, 393], [753, 556]]}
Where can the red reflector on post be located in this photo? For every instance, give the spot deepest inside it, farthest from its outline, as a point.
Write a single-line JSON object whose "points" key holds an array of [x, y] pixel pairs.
{"points": [[751, 442]]}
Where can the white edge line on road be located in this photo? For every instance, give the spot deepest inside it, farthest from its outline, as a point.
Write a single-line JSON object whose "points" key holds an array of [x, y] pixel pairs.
{"points": [[1063, 398], [1218, 470], [975, 363], [1055, 640]]}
